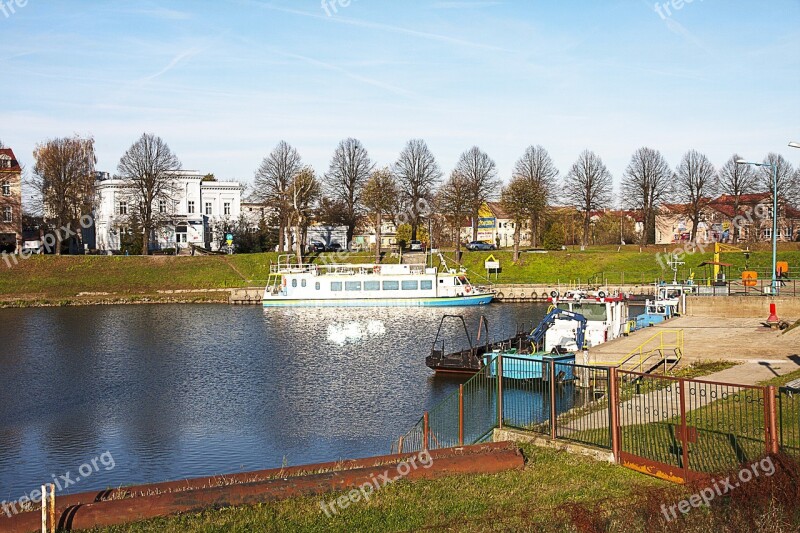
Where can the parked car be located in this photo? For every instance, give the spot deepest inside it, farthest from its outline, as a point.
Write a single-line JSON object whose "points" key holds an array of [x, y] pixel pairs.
{"points": [[480, 246], [316, 246], [333, 247], [415, 246]]}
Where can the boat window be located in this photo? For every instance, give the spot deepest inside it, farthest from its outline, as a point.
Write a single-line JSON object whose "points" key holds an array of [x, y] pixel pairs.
{"points": [[391, 285], [294, 282], [590, 311], [426, 285], [336, 286], [302, 283], [409, 285], [372, 285], [352, 286], [316, 285]]}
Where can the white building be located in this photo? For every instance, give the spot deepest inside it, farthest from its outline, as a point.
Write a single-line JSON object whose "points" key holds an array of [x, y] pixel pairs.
{"points": [[196, 212]]}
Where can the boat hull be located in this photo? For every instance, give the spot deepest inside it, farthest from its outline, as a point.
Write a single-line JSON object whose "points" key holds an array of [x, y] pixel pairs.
{"points": [[471, 300]]}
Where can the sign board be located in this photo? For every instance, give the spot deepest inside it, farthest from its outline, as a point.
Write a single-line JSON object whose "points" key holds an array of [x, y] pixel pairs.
{"points": [[487, 223], [229, 238], [491, 263]]}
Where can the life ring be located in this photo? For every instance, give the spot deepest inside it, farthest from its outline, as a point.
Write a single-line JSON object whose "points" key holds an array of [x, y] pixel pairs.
{"points": [[500, 295], [468, 289], [554, 294], [534, 296], [601, 294], [543, 296], [376, 269]]}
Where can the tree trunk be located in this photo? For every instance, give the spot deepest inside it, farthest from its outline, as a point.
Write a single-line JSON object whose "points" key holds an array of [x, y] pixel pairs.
{"points": [[281, 233], [145, 240], [734, 227], [585, 239], [414, 226], [378, 239], [517, 232], [475, 229], [298, 242], [695, 219]]}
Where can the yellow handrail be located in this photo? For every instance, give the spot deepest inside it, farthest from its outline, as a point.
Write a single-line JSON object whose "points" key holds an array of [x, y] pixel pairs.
{"points": [[644, 351]]}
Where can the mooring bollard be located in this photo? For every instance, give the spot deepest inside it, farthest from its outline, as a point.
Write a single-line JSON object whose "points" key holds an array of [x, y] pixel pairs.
{"points": [[49, 507]]}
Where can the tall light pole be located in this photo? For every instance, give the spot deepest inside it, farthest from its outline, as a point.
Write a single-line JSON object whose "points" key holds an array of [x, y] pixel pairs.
{"points": [[774, 218], [794, 145]]}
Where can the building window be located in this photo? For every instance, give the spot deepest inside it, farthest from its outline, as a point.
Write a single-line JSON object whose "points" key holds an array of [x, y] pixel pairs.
{"points": [[162, 206], [227, 208], [5, 162], [122, 208], [6, 188], [7, 215], [372, 285], [391, 285], [208, 208], [336, 286], [352, 286], [190, 207], [410, 285], [426, 285]]}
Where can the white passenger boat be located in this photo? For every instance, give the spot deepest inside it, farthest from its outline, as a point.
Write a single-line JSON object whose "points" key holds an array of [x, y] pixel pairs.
{"points": [[369, 285], [606, 317]]}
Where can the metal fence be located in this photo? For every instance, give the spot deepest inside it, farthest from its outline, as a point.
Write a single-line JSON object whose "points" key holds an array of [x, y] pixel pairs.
{"points": [[670, 427]]}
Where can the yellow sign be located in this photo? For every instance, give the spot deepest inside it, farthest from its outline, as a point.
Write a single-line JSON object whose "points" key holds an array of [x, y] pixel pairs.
{"points": [[491, 263]]}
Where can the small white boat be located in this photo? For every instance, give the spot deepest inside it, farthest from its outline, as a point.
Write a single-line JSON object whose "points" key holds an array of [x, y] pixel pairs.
{"points": [[369, 285]]}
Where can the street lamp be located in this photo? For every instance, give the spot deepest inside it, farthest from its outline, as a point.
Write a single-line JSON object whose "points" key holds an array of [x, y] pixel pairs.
{"points": [[794, 145], [774, 218]]}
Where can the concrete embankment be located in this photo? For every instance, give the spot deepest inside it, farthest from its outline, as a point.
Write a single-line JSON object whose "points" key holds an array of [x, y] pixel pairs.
{"points": [[742, 306], [541, 291]]}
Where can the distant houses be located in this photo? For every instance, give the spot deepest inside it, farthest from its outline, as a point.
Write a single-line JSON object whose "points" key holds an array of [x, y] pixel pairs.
{"points": [[722, 221], [10, 202]]}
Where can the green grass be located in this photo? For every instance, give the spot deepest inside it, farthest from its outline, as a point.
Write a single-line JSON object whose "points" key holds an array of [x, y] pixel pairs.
{"points": [[59, 279], [549, 479]]}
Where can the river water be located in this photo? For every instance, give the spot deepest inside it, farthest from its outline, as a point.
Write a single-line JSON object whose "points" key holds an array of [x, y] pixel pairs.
{"points": [[175, 391]]}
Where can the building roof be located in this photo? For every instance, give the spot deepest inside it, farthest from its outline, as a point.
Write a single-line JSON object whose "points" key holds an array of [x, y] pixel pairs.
{"points": [[15, 167]]}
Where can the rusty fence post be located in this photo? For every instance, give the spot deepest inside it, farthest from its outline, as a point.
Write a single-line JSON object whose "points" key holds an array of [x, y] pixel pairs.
{"points": [[613, 387], [461, 415], [771, 439], [500, 391], [553, 414], [425, 431], [684, 432]]}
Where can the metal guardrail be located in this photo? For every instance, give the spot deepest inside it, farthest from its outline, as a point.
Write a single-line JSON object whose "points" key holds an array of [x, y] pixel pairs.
{"points": [[647, 352]]}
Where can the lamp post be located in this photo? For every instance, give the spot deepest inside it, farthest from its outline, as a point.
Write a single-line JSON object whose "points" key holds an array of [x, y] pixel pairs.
{"points": [[794, 145], [774, 218]]}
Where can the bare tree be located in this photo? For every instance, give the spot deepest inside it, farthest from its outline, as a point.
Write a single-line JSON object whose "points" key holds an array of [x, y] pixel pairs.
{"points": [[517, 199], [696, 184], [272, 181], [647, 183], [479, 173], [148, 169], [588, 187], [304, 190], [418, 175], [736, 180], [64, 177], [349, 170], [788, 186], [537, 169], [453, 201], [381, 195]]}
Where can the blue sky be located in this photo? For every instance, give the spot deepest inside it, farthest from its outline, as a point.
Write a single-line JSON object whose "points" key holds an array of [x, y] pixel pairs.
{"points": [[223, 81]]}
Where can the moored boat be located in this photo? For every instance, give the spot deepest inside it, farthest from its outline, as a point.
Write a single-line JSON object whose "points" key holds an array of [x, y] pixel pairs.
{"points": [[369, 285]]}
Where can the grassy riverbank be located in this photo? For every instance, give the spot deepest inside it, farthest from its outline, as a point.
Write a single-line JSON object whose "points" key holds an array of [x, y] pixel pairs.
{"points": [[72, 278], [556, 492]]}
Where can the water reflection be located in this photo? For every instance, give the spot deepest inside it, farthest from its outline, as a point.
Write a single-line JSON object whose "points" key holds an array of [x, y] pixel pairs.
{"points": [[179, 391]]}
